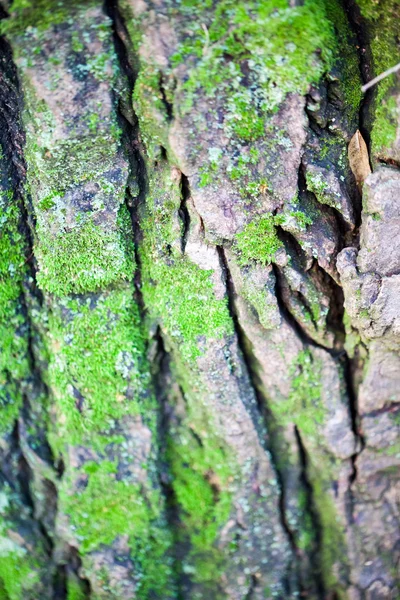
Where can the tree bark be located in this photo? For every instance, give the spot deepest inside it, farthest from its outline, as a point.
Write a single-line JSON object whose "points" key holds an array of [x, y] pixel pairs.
{"points": [[199, 283]]}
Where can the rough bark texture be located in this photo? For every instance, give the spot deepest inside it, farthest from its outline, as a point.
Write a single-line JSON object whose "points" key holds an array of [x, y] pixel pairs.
{"points": [[199, 300]]}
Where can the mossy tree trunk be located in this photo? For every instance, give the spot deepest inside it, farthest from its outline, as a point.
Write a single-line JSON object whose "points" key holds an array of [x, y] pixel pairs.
{"points": [[200, 324]]}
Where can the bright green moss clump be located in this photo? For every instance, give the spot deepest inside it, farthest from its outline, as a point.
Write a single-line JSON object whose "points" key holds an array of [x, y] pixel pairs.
{"points": [[74, 589], [20, 571], [109, 507], [201, 480], [96, 347], [203, 474], [333, 552], [86, 258], [345, 57], [258, 241], [256, 32], [14, 365], [184, 299], [40, 14], [77, 174]]}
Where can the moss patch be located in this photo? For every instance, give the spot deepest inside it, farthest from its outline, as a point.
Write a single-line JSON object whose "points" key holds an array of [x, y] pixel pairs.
{"points": [[97, 350], [201, 480], [248, 31], [20, 569], [303, 404], [382, 19], [77, 174], [86, 258], [333, 554], [259, 242], [40, 14], [14, 364], [108, 508]]}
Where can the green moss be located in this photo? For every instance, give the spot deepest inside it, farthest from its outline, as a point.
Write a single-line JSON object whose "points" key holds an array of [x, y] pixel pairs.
{"points": [[19, 569], [258, 299], [204, 475], [96, 349], [318, 186], [245, 57], [109, 507], [16, 574], [74, 588], [293, 217], [73, 161], [77, 180], [382, 18], [258, 34], [303, 405], [149, 106], [201, 480], [86, 258], [258, 241], [40, 14], [345, 58], [182, 296], [395, 417], [99, 375], [386, 120], [306, 534], [14, 364], [353, 338], [392, 450], [333, 553]]}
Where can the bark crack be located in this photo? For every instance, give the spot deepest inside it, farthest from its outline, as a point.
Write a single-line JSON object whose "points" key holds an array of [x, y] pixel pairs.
{"points": [[160, 361], [313, 513], [33, 388], [183, 211], [261, 413]]}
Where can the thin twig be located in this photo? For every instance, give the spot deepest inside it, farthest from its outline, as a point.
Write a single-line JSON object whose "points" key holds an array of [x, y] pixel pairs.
{"points": [[380, 77], [207, 42]]}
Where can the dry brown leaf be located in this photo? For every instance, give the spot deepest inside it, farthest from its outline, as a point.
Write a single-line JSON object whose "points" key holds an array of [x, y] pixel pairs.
{"points": [[359, 158]]}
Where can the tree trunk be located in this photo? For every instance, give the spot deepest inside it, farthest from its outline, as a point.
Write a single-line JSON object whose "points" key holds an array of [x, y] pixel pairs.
{"points": [[199, 300]]}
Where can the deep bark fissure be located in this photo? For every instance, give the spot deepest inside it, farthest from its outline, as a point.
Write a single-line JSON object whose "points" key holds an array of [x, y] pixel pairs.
{"points": [[34, 388], [313, 514], [335, 321], [262, 413], [359, 28], [162, 378], [357, 25], [169, 109], [252, 590], [160, 364], [183, 211]]}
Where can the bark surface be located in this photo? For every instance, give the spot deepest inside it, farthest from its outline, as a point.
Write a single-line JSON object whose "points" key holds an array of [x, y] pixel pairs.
{"points": [[199, 300]]}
